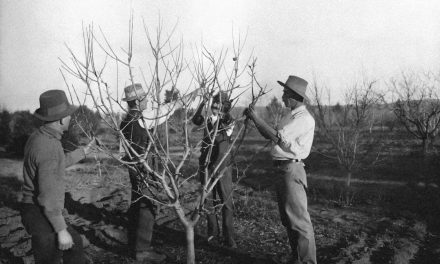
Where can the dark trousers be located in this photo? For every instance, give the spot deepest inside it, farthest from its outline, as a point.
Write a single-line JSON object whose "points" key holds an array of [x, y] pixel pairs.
{"points": [[292, 202], [221, 194], [45, 240], [141, 216]]}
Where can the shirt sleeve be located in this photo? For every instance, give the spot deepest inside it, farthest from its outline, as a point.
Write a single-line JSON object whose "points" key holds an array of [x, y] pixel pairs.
{"points": [[297, 137], [153, 117], [51, 188], [74, 156], [230, 129]]}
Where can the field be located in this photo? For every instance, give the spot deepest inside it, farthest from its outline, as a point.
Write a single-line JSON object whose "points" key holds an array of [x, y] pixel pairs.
{"points": [[392, 215]]}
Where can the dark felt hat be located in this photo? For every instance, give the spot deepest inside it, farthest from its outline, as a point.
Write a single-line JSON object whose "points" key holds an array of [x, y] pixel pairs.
{"points": [[223, 97], [297, 85], [54, 106]]}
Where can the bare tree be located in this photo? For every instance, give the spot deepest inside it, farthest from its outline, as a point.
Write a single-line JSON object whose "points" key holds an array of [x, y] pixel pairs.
{"points": [[417, 105], [275, 111], [207, 71], [346, 127]]}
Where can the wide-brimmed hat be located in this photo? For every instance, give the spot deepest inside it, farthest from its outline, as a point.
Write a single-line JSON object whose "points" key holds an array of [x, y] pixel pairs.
{"points": [[133, 92], [297, 85], [54, 106]]}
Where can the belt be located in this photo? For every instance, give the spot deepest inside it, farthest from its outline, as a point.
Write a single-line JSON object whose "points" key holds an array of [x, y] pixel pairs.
{"points": [[287, 161]]}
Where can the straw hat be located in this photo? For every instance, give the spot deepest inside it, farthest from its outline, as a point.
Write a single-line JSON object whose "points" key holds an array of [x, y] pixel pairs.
{"points": [[297, 85], [133, 92]]}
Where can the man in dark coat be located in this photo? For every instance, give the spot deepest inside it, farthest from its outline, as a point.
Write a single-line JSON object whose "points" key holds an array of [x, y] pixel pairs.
{"points": [[210, 159], [53, 240], [141, 117]]}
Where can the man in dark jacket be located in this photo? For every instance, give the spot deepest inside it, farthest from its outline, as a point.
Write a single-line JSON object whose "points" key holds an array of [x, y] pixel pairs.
{"points": [[142, 116], [210, 159], [44, 187]]}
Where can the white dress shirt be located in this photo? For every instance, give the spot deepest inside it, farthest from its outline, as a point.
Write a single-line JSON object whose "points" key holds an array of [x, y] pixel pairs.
{"points": [[295, 132], [229, 129]]}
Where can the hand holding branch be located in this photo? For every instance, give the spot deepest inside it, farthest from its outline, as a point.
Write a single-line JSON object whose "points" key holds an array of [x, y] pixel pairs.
{"points": [[92, 146]]}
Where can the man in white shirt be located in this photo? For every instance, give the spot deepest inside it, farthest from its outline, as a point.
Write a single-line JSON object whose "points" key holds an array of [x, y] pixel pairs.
{"points": [[292, 141]]}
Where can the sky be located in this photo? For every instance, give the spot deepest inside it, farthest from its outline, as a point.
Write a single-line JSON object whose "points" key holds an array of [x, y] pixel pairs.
{"points": [[334, 41]]}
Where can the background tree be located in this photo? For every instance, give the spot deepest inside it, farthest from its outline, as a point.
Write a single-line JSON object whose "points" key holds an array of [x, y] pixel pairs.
{"points": [[417, 105], [22, 125], [346, 128], [275, 111], [84, 122], [5, 119]]}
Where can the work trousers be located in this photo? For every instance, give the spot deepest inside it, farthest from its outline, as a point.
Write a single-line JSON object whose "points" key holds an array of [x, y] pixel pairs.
{"points": [[221, 194], [292, 203], [141, 215], [45, 240]]}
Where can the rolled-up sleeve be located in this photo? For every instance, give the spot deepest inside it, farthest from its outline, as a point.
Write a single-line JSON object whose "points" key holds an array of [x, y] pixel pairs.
{"points": [[51, 191], [297, 137]]}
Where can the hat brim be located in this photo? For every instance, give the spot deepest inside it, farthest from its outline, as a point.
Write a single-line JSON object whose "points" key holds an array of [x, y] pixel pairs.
{"points": [[69, 111], [137, 97], [304, 96]]}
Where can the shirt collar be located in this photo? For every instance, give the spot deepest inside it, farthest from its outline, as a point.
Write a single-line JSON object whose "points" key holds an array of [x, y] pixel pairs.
{"points": [[51, 132], [297, 110], [213, 118]]}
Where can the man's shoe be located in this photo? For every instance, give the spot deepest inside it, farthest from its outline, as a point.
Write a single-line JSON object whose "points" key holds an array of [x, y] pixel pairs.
{"points": [[290, 259], [230, 243], [150, 255]]}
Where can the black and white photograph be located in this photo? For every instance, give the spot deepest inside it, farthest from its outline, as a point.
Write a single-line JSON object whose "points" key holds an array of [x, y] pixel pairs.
{"points": [[219, 132]]}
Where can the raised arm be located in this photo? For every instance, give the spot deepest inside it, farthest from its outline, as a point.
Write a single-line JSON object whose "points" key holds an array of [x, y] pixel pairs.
{"points": [[154, 117], [198, 118], [80, 153], [265, 129]]}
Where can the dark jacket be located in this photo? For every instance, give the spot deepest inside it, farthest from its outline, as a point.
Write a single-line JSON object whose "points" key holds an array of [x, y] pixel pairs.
{"points": [[134, 133], [222, 141]]}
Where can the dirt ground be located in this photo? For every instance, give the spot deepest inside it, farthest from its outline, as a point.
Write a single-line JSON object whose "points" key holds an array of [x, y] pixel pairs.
{"points": [[366, 233]]}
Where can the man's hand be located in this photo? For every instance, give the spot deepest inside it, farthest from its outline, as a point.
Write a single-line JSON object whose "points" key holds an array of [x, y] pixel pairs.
{"points": [[93, 144], [65, 240], [250, 112]]}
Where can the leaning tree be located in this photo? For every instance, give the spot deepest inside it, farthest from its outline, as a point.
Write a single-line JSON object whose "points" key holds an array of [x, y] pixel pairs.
{"points": [[169, 70]]}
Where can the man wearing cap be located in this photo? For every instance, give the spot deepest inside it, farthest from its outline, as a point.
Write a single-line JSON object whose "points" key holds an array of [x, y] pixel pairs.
{"points": [[292, 141], [44, 187], [222, 192], [140, 117]]}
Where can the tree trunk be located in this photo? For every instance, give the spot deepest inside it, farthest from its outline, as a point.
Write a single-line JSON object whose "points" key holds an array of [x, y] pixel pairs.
{"points": [[190, 251], [348, 182], [347, 189], [425, 143], [189, 225]]}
